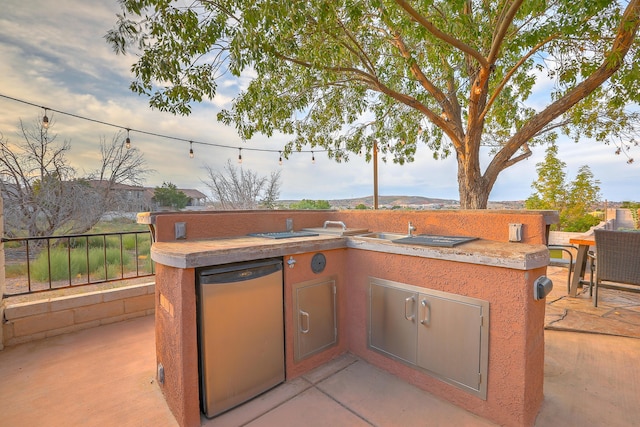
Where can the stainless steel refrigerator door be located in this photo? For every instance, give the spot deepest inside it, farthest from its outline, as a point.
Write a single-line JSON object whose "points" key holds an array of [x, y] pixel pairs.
{"points": [[241, 339]]}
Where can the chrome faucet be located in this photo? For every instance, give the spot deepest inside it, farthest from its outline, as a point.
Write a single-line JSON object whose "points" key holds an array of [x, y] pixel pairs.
{"points": [[412, 228]]}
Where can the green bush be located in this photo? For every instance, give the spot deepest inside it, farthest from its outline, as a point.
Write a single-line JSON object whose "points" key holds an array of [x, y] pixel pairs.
{"points": [[582, 224], [60, 262]]}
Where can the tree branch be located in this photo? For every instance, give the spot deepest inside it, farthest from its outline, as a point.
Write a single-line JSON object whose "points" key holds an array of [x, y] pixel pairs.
{"points": [[441, 35], [511, 72], [613, 60], [498, 38]]}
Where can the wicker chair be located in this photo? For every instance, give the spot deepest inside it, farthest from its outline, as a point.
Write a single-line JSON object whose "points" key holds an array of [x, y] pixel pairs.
{"points": [[617, 260]]}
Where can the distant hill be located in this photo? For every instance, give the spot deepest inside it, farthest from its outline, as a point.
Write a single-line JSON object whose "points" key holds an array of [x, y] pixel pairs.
{"points": [[415, 202]]}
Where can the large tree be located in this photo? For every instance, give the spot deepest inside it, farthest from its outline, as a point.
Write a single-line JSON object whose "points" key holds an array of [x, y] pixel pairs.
{"points": [[452, 74], [42, 191]]}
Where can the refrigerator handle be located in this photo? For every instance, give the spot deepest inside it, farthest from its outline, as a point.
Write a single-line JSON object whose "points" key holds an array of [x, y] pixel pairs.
{"points": [[303, 315]]}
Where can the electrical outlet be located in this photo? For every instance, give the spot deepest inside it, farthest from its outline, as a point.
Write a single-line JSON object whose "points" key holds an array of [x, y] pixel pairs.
{"points": [[515, 232], [181, 230]]}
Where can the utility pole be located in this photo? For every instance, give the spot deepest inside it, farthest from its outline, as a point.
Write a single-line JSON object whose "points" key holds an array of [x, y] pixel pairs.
{"points": [[375, 174]]}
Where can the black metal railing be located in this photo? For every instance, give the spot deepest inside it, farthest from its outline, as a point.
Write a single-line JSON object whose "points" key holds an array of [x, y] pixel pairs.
{"points": [[38, 264]]}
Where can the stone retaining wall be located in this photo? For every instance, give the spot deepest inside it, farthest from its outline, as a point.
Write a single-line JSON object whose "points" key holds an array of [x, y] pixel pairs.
{"points": [[35, 320]]}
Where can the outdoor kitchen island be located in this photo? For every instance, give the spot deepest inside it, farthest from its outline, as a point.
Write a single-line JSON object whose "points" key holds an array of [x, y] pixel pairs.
{"points": [[488, 282]]}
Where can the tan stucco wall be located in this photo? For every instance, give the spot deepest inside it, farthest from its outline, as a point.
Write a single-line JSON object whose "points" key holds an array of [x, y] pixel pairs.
{"points": [[301, 272], [29, 321], [485, 224], [176, 342], [516, 341]]}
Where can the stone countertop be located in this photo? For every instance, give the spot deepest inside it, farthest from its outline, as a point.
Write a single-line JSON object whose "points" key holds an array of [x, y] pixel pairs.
{"points": [[517, 256], [202, 253]]}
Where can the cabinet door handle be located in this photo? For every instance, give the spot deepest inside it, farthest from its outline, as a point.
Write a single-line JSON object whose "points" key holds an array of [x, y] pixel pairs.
{"points": [[409, 312], [427, 309], [303, 315]]}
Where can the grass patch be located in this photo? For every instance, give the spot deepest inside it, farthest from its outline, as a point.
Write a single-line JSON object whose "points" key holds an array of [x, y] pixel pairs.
{"points": [[555, 253], [74, 263], [12, 271]]}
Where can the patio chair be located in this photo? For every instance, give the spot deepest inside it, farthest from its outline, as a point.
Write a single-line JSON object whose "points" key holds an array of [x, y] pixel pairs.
{"points": [[617, 260], [562, 262]]}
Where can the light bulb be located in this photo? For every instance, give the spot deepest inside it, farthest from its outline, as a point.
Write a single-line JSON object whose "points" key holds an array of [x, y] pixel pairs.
{"points": [[127, 142], [313, 158], [240, 155], [191, 149], [45, 120]]}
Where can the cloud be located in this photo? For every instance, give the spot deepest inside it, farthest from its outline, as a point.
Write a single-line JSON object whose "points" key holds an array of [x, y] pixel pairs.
{"points": [[54, 54]]}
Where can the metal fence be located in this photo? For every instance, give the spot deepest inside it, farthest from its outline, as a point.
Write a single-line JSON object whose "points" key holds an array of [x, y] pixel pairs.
{"points": [[38, 264]]}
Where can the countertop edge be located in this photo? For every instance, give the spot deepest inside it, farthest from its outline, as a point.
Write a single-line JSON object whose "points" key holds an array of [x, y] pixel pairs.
{"points": [[260, 250], [201, 253], [469, 253]]}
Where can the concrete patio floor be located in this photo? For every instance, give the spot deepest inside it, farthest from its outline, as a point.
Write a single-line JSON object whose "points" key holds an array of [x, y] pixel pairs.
{"points": [[106, 377]]}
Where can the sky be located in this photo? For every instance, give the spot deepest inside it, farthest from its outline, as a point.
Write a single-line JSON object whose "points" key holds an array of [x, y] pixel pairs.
{"points": [[54, 55]]}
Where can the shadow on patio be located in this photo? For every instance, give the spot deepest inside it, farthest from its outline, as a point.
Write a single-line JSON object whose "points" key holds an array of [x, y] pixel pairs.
{"points": [[106, 377]]}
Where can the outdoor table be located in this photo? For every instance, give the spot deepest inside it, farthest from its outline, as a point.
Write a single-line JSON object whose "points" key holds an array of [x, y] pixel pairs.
{"points": [[583, 242]]}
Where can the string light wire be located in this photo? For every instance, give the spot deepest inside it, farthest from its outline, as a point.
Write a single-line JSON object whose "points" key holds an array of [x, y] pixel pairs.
{"points": [[144, 132]]}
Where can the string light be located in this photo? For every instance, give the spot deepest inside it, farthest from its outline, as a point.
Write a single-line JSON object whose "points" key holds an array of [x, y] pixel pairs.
{"points": [[240, 155], [313, 158], [191, 149], [280, 159], [45, 120]]}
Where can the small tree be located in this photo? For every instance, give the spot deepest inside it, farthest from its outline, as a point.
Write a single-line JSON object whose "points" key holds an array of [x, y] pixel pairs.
{"points": [[310, 204], [169, 195], [237, 188], [583, 194], [573, 202], [550, 186]]}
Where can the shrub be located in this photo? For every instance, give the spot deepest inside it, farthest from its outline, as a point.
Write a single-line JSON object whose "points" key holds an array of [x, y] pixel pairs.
{"points": [[77, 259]]}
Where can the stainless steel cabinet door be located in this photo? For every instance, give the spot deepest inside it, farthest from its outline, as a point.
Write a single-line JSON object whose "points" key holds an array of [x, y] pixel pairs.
{"points": [[449, 338], [392, 321], [315, 316]]}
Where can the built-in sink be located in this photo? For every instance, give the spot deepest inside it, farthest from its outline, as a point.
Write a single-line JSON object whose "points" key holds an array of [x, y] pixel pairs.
{"points": [[284, 234], [421, 239], [382, 235], [434, 240]]}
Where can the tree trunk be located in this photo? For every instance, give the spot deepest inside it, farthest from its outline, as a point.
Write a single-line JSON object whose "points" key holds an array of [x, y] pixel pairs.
{"points": [[474, 189]]}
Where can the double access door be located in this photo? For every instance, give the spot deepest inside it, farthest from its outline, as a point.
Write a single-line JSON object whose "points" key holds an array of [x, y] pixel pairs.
{"points": [[440, 333]]}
